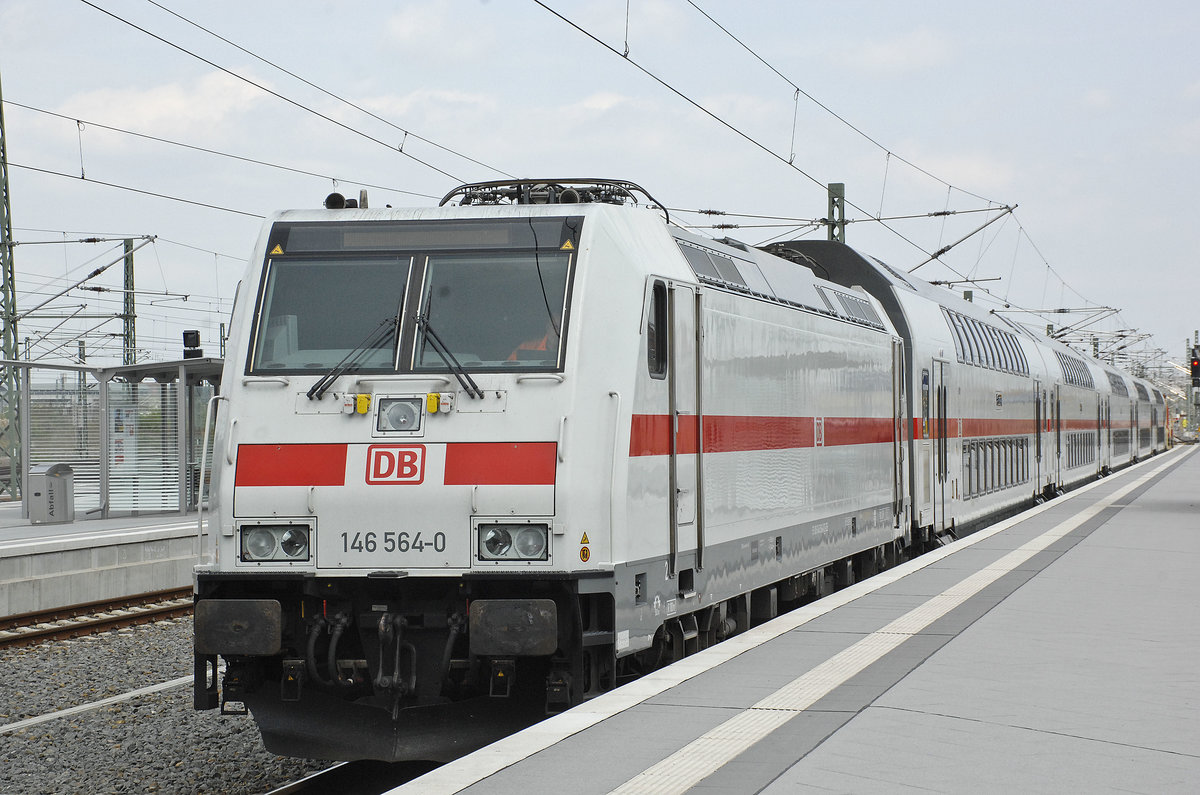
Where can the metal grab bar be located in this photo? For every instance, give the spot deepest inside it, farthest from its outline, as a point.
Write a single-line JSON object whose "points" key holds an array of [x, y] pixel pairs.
{"points": [[229, 442], [208, 414], [557, 377]]}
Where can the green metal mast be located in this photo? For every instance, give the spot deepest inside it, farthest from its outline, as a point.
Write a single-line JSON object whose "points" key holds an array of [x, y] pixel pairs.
{"points": [[129, 315], [836, 220], [10, 393]]}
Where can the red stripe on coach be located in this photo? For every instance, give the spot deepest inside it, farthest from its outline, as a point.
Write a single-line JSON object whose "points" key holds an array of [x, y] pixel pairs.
{"points": [[649, 434], [501, 463], [725, 434], [291, 465]]}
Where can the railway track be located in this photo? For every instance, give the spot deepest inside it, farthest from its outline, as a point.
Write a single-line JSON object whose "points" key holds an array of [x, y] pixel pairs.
{"points": [[90, 618]]}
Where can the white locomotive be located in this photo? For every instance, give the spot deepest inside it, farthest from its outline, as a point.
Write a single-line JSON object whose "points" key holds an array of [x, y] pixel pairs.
{"points": [[483, 461]]}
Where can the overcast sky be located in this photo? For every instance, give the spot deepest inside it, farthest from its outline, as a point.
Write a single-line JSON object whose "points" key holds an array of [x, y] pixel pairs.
{"points": [[1085, 114]]}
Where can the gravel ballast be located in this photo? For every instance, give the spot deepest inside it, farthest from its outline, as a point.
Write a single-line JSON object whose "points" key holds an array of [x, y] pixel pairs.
{"points": [[150, 743]]}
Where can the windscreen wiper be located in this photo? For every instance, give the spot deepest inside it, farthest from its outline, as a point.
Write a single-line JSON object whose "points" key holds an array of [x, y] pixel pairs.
{"points": [[372, 340], [464, 378]]}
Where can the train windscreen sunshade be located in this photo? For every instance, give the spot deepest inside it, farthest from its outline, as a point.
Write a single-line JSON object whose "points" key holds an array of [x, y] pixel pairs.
{"points": [[363, 236]]}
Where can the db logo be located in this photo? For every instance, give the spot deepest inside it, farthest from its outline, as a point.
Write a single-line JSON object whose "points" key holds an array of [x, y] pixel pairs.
{"points": [[388, 463]]}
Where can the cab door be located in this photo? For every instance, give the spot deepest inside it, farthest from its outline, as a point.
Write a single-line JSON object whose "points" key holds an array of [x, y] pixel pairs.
{"points": [[683, 411]]}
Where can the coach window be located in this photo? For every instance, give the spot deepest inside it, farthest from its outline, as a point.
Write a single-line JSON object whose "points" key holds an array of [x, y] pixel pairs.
{"points": [[990, 342], [1010, 346], [977, 484], [1001, 351], [976, 344], [989, 350], [969, 452], [656, 332], [960, 343]]}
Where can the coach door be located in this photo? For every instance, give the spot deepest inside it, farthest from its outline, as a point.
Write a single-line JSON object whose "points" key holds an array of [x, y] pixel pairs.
{"points": [[941, 444], [684, 396], [1039, 423], [899, 427], [1056, 411]]}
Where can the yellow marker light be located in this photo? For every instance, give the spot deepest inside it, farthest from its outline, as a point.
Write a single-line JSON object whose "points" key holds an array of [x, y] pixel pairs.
{"points": [[431, 402], [362, 403]]}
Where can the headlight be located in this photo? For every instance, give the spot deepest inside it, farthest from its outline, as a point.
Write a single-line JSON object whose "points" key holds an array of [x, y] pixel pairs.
{"points": [[514, 542], [294, 542], [399, 414], [272, 542], [259, 544], [531, 542], [496, 542]]}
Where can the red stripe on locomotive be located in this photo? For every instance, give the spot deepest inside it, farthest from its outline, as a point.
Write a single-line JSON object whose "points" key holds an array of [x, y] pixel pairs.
{"points": [[501, 463], [291, 465]]}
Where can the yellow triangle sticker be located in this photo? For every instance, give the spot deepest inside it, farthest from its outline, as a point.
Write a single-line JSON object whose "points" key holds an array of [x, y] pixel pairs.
{"points": [[277, 250], [584, 540], [567, 246]]}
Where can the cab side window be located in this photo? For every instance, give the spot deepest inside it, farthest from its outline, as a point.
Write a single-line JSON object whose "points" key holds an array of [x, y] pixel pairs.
{"points": [[656, 332]]}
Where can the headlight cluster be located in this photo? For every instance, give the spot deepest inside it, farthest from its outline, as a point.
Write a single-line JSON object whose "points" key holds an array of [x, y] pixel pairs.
{"points": [[275, 542], [514, 542], [399, 414]]}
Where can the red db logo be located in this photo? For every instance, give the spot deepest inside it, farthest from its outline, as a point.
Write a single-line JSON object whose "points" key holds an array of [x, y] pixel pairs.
{"points": [[389, 463]]}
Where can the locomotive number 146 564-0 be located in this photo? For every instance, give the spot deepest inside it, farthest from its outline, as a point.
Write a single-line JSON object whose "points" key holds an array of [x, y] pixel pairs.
{"points": [[389, 542]]}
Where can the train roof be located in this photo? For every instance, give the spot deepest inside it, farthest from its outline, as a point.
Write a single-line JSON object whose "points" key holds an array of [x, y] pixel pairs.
{"points": [[844, 265]]}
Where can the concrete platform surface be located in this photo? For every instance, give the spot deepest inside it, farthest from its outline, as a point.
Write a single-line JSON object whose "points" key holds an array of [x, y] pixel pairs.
{"points": [[1056, 651]]}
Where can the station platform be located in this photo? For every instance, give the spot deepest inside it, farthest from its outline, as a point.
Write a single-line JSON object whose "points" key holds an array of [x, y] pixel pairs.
{"points": [[1056, 651], [48, 566]]}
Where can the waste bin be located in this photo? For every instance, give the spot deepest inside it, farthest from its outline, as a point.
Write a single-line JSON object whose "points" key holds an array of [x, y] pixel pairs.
{"points": [[51, 494]]}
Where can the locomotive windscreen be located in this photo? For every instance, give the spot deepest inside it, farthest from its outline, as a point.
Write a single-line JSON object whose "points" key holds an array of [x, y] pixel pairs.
{"points": [[495, 293], [495, 310]]}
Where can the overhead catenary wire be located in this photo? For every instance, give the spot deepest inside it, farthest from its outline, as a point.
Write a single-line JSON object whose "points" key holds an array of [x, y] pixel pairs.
{"points": [[872, 219], [137, 190], [91, 275], [717, 118], [328, 93], [889, 154], [218, 153], [750, 139], [95, 236], [276, 94], [826, 108]]}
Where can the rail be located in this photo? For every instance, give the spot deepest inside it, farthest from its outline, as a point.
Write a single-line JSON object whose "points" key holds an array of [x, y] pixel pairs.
{"points": [[90, 618]]}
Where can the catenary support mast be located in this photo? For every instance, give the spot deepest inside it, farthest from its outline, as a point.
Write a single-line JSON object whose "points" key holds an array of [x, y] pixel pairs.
{"points": [[10, 393]]}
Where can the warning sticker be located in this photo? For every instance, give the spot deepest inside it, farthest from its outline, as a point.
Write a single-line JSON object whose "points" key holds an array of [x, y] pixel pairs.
{"points": [[277, 250], [585, 554], [584, 540], [567, 246]]}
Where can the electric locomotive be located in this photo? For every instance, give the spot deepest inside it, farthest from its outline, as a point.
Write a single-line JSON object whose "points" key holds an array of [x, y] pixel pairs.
{"points": [[481, 462]]}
